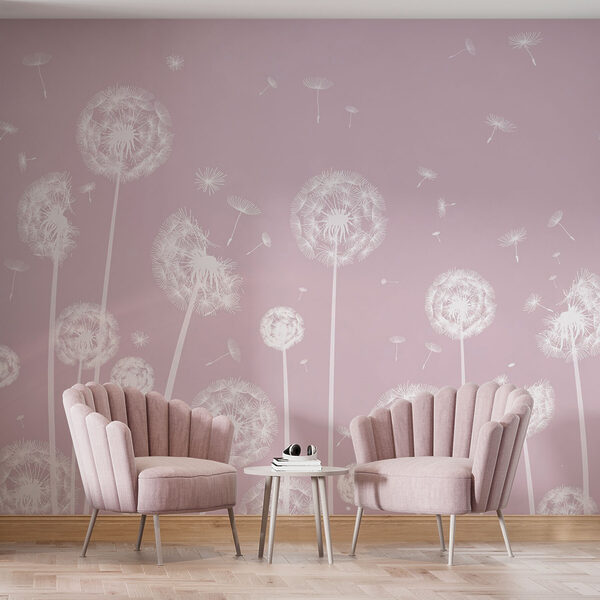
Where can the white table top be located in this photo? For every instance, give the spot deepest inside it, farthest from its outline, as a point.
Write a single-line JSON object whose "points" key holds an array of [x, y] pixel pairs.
{"points": [[267, 471]]}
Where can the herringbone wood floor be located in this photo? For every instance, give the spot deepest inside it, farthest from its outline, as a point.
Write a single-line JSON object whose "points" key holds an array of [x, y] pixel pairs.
{"points": [[560, 570]]}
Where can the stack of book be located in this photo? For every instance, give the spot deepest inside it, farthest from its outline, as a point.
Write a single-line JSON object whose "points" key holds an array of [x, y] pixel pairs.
{"points": [[298, 464]]}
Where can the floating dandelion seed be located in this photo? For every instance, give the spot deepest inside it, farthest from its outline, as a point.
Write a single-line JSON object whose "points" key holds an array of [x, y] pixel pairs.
{"points": [[210, 180], [460, 304], [135, 372], [404, 391], [174, 62], [345, 485], [271, 85], [265, 240], [38, 59], [534, 301], [432, 348], [510, 365], [252, 414], [88, 188], [344, 432], [556, 255], [555, 219], [304, 363], [499, 124], [513, 238], [22, 161], [396, 340], [351, 110], [193, 280], [385, 281], [436, 235], [243, 207], [469, 47], [301, 292], [566, 500], [553, 279], [9, 366], [139, 339], [426, 175], [525, 40], [7, 129], [233, 350], [318, 84], [21, 421], [300, 498], [501, 379], [442, 207], [16, 266]]}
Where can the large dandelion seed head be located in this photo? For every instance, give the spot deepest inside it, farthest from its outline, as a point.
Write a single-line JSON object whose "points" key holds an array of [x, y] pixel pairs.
{"points": [[542, 394], [185, 270], [9, 366], [460, 304], [25, 479], [566, 500], [125, 133], [84, 334], [338, 216], [525, 39], [300, 498], [42, 222], [404, 391], [135, 372], [513, 237], [252, 414], [281, 327]]}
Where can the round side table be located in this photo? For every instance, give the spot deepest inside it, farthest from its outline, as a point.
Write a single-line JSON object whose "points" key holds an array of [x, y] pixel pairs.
{"points": [[319, 492]]}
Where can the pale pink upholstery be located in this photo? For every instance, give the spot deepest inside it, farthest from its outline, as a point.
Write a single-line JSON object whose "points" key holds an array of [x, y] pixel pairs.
{"points": [[453, 453]]}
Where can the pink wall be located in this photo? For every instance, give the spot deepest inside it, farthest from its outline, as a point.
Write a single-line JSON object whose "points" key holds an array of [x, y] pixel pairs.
{"points": [[416, 108]]}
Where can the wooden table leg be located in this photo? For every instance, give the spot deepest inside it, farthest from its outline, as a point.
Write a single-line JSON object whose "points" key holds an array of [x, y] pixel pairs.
{"points": [[325, 511], [315, 495], [273, 519], [265, 514]]}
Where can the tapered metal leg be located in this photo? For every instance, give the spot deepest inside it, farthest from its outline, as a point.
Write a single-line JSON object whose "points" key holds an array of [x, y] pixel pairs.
{"points": [[451, 549], [234, 532], [265, 514], [88, 535], [159, 557], [273, 518], [359, 514], [504, 533], [441, 532], [325, 512], [315, 495], [140, 532]]}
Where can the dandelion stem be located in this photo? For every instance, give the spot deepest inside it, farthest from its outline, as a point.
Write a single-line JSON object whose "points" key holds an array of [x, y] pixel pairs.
{"points": [[79, 369], [234, 227], [251, 251], [350, 121], [12, 286], [51, 424], [332, 367], [286, 424], [463, 378], [516, 253], [453, 55], [260, 94], [582, 432], [426, 359], [491, 136], [529, 480], [396, 353], [531, 55], [212, 362], [318, 109], [42, 80], [421, 182], [563, 228]]}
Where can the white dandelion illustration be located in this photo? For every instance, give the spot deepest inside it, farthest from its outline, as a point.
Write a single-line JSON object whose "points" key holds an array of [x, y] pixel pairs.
{"points": [[318, 84], [499, 124], [271, 85], [469, 47], [85, 337], [301, 292], [133, 371], [384, 281], [533, 302], [556, 255], [193, 279], [460, 304], [243, 207], [175, 62], [351, 110], [123, 134], [553, 279], [252, 414], [233, 350], [139, 338], [555, 219], [396, 340], [437, 235], [304, 363], [88, 188], [432, 348], [501, 379], [22, 161], [300, 493], [16, 266], [345, 485], [344, 432], [210, 180], [7, 129], [566, 500], [9, 366], [574, 334], [513, 238], [337, 216], [38, 60], [27, 487], [43, 225], [442, 207], [426, 175], [526, 40], [510, 365], [265, 240], [21, 421], [404, 391]]}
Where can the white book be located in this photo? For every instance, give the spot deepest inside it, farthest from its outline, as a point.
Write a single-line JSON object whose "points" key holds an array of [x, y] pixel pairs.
{"points": [[297, 468], [281, 461]]}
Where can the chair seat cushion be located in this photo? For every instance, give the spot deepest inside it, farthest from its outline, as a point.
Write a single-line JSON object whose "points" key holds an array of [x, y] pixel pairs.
{"points": [[174, 483], [424, 484]]}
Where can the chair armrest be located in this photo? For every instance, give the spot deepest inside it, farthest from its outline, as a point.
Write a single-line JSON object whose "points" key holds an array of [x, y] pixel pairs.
{"points": [[484, 463]]}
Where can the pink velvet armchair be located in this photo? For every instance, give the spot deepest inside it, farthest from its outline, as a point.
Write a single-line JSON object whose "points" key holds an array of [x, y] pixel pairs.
{"points": [[453, 454], [139, 453]]}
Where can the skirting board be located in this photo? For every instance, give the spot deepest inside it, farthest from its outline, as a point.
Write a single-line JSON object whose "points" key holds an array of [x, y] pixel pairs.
{"points": [[195, 529]]}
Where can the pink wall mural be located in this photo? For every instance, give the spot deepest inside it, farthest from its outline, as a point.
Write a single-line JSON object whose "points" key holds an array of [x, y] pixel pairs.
{"points": [[292, 222]]}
